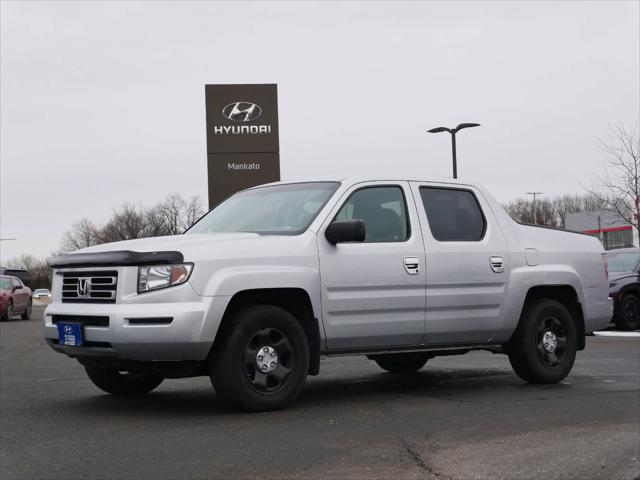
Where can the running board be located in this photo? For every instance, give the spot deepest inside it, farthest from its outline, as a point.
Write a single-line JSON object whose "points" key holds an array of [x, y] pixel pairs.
{"points": [[436, 350]]}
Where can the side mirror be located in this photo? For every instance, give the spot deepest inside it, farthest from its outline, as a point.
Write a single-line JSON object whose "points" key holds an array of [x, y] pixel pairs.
{"points": [[341, 231], [18, 287]]}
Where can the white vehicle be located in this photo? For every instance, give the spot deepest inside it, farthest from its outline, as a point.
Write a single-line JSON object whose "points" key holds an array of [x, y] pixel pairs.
{"points": [[277, 276], [41, 293]]}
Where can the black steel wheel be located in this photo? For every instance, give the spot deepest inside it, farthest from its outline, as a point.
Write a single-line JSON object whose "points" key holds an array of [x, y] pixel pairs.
{"points": [[543, 347], [260, 360], [552, 341], [628, 317], [268, 359]]}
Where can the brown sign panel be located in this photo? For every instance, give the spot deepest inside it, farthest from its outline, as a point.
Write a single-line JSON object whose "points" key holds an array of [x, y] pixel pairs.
{"points": [[242, 118], [242, 138], [232, 172]]}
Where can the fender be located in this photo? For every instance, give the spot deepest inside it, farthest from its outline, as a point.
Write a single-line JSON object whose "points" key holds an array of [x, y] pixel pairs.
{"points": [[229, 281], [523, 278]]}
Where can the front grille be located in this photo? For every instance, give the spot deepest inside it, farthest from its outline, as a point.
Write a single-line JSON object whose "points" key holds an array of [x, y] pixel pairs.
{"points": [[89, 287], [85, 320]]}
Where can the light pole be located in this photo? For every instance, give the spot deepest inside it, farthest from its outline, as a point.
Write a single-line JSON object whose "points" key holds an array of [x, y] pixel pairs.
{"points": [[453, 132], [535, 211]]}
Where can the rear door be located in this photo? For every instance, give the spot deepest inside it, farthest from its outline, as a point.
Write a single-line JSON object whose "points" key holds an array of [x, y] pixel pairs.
{"points": [[467, 264], [373, 291]]}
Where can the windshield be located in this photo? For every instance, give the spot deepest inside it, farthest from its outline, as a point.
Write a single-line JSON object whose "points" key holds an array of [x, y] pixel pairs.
{"points": [[278, 210], [5, 283], [623, 262]]}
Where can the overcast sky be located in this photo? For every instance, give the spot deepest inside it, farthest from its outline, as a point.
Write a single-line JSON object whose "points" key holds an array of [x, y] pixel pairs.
{"points": [[103, 103]]}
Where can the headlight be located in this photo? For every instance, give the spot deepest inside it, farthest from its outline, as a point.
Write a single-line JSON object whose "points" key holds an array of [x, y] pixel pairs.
{"points": [[155, 277]]}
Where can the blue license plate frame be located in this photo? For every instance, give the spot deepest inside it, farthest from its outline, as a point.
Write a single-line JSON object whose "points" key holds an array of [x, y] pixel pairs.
{"points": [[70, 334]]}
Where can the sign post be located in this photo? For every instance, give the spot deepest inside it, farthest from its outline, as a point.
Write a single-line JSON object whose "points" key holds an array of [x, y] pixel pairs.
{"points": [[243, 148]]}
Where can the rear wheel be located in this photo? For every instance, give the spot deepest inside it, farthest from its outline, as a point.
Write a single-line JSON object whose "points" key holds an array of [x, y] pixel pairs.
{"points": [[543, 347], [628, 317], [401, 362], [119, 382], [26, 315], [260, 363]]}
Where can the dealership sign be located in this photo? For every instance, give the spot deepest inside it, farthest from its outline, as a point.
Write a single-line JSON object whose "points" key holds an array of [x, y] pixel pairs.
{"points": [[242, 138], [242, 112]]}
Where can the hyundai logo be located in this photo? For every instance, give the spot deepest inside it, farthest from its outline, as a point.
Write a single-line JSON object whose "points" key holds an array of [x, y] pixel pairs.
{"points": [[68, 329], [242, 111], [84, 287]]}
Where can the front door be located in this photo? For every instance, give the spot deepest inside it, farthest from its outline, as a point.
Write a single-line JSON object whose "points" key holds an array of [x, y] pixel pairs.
{"points": [[467, 264], [20, 295], [373, 292]]}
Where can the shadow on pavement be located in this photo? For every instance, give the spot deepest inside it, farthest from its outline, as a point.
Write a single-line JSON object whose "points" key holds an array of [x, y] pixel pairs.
{"points": [[462, 385]]}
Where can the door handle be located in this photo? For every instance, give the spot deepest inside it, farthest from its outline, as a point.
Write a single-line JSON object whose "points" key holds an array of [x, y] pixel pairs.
{"points": [[497, 264], [411, 265]]}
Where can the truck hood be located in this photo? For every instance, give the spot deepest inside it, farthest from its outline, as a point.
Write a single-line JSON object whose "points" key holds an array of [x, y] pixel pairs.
{"points": [[207, 246]]}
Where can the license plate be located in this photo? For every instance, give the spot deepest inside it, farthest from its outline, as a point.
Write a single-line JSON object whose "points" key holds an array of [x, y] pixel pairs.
{"points": [[69, 334]]}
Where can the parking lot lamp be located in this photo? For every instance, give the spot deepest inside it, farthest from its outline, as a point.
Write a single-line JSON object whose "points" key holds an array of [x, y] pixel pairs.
{"points": [[453, 132]]}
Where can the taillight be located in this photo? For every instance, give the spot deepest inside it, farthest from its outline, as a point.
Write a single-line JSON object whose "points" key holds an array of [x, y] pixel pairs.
{"points": [[605, 264]]}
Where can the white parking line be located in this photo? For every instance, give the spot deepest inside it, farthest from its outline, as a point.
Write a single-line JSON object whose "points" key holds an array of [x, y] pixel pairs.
{"points": [[617, 334]]}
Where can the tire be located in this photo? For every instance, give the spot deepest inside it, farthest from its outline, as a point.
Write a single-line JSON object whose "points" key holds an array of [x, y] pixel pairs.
{"points": [[26, 315], [116, 382], [8, 314], [628, 315], [261, 337], [401, 362], [543, 347]]}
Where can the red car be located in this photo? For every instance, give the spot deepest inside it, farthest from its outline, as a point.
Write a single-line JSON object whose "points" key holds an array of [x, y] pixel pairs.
{"points": [[15, 298]]}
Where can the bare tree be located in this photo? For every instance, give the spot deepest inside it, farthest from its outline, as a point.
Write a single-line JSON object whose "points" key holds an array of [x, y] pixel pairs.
{"points": [[170, 213], [521, 210], [39, 271], [83, 234], [193, 211], [617, 187], [125, 224], [171, 216], [568, 204], [551, 212]]}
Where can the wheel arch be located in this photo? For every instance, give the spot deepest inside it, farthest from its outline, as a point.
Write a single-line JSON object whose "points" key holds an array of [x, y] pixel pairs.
{"points": [[296, 301], [567, 296], [633, 288]]}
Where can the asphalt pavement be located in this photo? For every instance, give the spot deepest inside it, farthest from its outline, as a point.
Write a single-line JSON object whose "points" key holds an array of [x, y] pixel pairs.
{"points": [[464, 417]]}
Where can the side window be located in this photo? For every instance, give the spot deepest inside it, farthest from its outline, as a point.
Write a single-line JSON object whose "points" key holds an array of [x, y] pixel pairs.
{"points": [[16, 282], [383, 210], [454, 215]]}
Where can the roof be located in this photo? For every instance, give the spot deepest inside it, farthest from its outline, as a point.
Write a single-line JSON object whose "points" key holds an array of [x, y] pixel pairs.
{"points": [[351, 179]]}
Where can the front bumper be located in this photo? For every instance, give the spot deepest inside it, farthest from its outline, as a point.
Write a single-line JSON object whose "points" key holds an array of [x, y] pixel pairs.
{"points": [[188, 336]]}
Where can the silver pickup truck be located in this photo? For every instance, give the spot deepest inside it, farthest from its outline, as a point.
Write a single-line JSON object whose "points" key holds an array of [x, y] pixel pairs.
{"points": [[278, 276]]}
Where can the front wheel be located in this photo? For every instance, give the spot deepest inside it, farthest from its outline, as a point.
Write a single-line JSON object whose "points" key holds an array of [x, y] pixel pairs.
{"points": [[8, 314], [261, 362], [628, 317], [118, 382], [543, 347], [401, 362]]}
